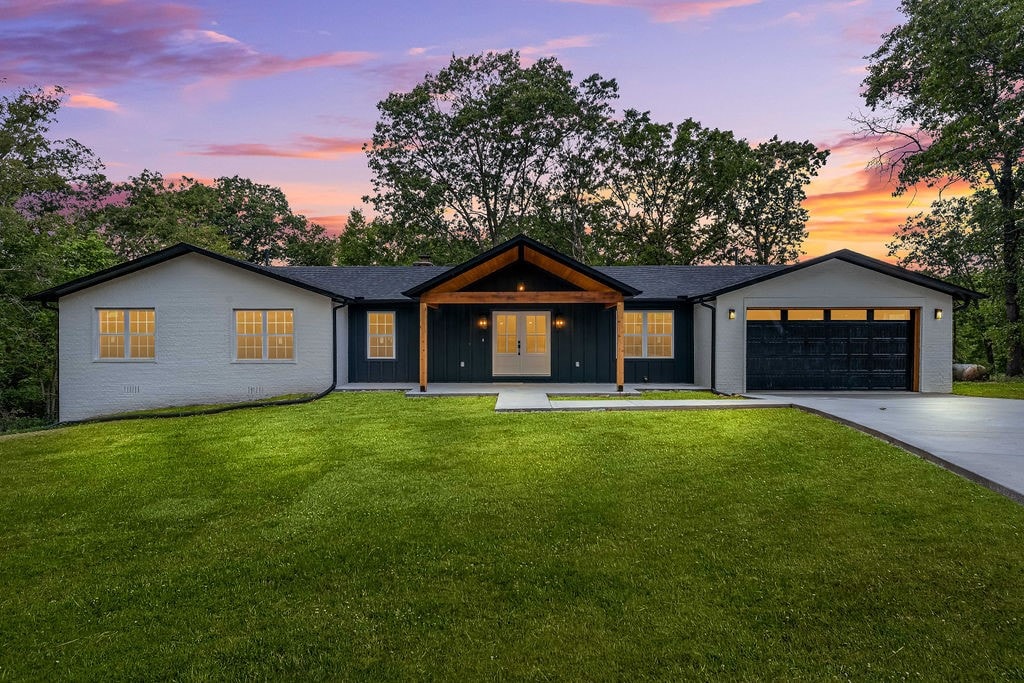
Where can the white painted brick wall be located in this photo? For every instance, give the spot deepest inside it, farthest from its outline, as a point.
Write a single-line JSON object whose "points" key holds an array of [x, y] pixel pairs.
{"points": [[834, 284], [194, 297]]}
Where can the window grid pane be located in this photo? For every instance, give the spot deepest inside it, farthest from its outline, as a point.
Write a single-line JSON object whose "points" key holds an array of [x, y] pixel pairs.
{"points": [[111, 346], [111, 322], [634, 346], [659, 346], [633, 323], [279, 347]]}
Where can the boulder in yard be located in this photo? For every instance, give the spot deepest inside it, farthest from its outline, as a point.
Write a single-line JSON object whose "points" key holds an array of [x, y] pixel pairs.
{"points": [[969, 372]]}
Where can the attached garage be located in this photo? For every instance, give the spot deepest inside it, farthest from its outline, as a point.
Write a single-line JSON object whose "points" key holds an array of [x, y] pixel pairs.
{"points": [[830, 350], [840, 322]]}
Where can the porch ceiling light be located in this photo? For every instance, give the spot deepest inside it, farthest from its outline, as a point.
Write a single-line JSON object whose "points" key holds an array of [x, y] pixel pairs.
{"points": [[938, 314], [482, 322], [732, 314], [520, 286]]}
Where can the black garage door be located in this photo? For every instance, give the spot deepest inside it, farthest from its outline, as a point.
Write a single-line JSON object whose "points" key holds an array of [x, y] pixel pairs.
{"points": [[828, 355]]}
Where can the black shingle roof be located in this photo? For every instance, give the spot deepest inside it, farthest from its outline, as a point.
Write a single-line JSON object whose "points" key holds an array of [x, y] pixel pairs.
{"points": [[380, 283], [671, 282], [386, 283]]}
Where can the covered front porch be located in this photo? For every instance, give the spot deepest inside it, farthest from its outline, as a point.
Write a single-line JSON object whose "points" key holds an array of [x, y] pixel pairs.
{"points": [[521, 312]]}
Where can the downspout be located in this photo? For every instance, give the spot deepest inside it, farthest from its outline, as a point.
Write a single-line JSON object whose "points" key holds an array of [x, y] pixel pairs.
{"points": [[237, 406], [714, 336]]}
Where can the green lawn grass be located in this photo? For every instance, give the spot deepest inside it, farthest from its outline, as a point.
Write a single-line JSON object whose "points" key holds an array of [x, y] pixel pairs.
{"points": [[995, 389], [689, 395], [369, 536]]}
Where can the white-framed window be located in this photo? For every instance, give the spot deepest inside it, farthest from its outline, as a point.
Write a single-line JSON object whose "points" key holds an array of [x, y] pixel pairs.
{"points": [[265, 335], [648, 334], [380, 335], [126, 334]]}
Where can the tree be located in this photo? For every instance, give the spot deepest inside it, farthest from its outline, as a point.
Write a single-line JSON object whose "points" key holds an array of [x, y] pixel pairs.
{"points": [[668, 183], [764, 211], [45, 186], [37, 173], [469, 156], [950, 79], [959, 240], [234, 216], [147, 213], [256, 219]]}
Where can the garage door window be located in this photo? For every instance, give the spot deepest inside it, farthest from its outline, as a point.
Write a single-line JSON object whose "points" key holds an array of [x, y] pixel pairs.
{"points": [[890, 314], [848, 314], [805, 314], [764, 314]]}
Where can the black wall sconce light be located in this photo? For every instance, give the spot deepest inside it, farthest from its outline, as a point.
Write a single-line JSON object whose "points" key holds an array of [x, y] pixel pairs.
{"points": [[482, 322], [559, 322], [938, 314], [732, 314]]}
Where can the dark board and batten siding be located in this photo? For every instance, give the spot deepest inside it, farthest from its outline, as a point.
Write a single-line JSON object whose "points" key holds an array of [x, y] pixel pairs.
{"points": [[459, 351], [405, 366]]}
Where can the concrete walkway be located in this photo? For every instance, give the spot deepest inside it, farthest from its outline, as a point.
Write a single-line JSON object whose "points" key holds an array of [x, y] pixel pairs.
{"points": [[981, 439]]}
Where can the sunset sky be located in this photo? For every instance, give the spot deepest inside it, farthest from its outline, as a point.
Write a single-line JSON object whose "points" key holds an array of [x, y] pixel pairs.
{"points": [[285, 93]]}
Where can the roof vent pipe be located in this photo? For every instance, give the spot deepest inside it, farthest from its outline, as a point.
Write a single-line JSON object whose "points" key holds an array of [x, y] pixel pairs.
{"points": [[424, 260]]}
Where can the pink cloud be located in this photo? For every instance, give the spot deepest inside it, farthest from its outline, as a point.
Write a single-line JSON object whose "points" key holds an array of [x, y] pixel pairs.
{"points": [[95, 43], [306, 147], [666, 11], [84, 100], [555, 45]]}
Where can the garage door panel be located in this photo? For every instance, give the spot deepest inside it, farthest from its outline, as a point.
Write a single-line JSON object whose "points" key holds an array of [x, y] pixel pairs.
{"points": [[828, 355]]}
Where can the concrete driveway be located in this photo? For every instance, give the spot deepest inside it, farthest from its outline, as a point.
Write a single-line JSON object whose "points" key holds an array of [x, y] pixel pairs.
{"points": [[979, 438]]}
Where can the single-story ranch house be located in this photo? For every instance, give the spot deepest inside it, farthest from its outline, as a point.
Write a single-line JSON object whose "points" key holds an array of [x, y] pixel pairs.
{"points": [[188, 326]]}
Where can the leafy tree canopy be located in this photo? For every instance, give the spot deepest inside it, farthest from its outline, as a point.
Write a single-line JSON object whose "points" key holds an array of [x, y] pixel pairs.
{"points": [[948, 83]]}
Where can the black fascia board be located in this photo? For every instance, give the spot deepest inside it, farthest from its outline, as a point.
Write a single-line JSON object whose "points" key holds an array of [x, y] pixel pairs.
{"points": [[161, 256]]}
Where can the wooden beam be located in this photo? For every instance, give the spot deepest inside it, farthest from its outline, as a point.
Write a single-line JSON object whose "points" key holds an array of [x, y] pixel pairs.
{"points": [[432, 298], [423, 346], [479, 272], [620, 345], [564, 272]]}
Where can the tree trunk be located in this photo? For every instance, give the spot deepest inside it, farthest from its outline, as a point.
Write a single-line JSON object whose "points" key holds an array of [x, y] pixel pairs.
{"points": [[1011, 269]]}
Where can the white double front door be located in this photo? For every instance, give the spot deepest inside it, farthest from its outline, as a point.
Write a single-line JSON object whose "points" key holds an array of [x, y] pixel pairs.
{"points": [[522, 343]]}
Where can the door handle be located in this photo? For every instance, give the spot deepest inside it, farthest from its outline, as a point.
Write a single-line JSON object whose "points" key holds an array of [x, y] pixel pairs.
{"points": [[519, 345]]}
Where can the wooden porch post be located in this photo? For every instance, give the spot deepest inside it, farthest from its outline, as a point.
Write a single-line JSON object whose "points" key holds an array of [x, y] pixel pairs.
{"points": [[620, 345], [423, 346]]}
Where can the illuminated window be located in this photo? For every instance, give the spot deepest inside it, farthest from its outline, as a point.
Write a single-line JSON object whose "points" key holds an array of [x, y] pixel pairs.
{"points": [[380, 335], [265, 335], [127, 333], [648, 334], [891, 314], [764, 314], [848, 314], [805, 314]]}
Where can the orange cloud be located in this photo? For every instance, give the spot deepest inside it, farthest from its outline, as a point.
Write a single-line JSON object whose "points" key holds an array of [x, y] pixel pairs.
{"points": [[86, 100], [852, 206], [334, 224], [667, 11], [306, 147]]}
